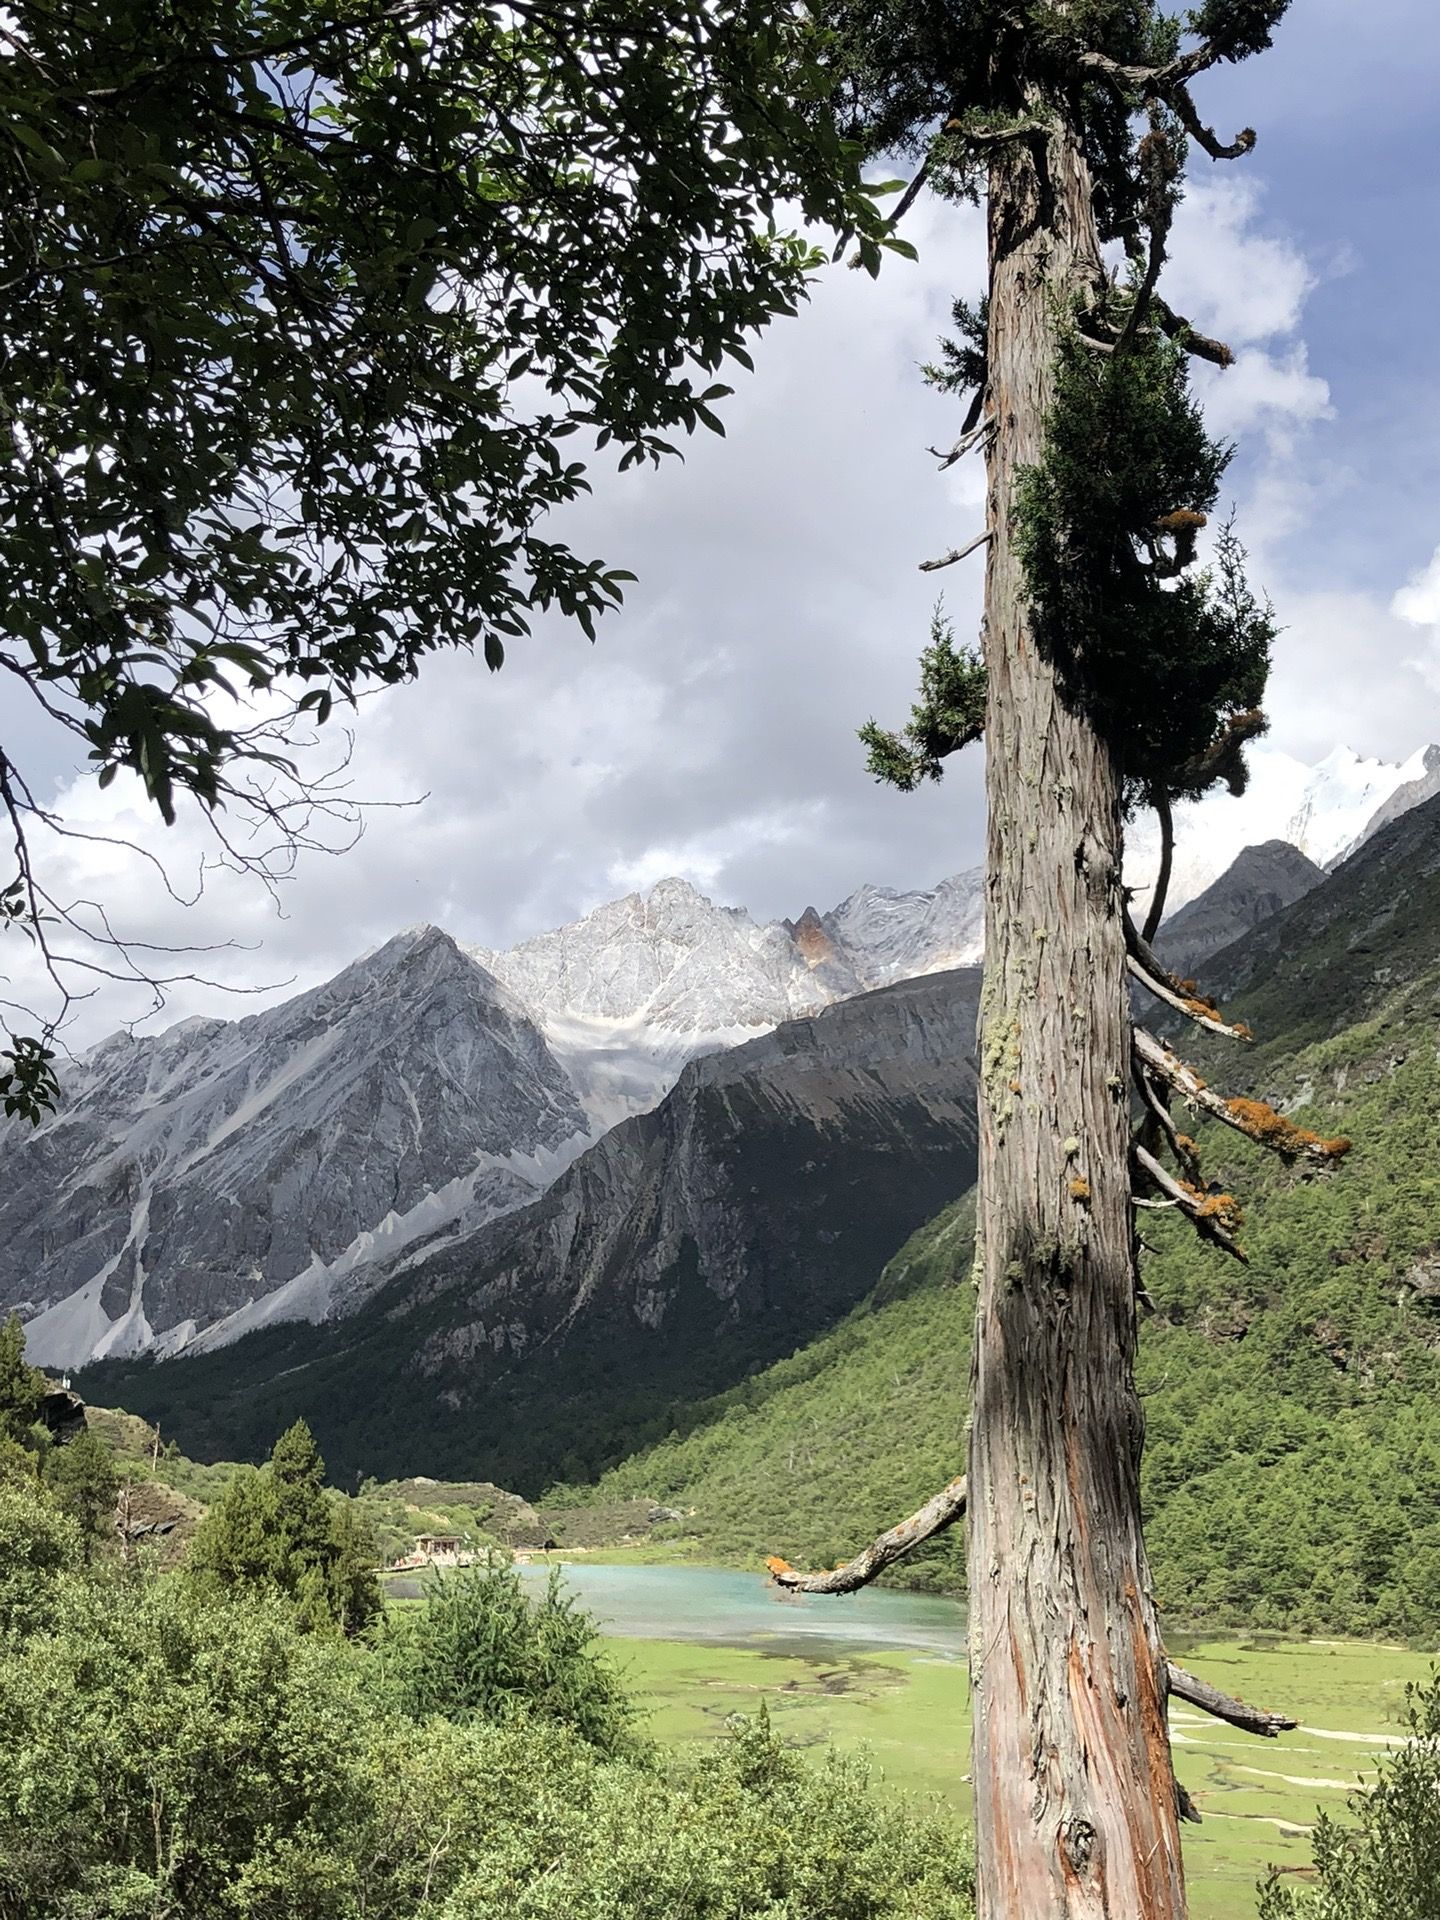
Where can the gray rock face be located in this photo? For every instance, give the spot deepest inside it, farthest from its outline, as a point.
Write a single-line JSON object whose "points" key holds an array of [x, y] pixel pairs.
{"points": [[888, 936], [1261, 882], [191, 1175], [1350, 943], [757, 1159], [748, 1211], [1413, 793], [226, 1175]]}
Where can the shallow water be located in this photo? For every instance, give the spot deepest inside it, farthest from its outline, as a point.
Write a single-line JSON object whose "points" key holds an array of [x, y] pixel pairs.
{"points": [[723, 1608]]}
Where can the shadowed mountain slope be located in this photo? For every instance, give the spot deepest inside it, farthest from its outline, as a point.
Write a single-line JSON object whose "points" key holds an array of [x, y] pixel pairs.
{"points": [[746, 1213]]}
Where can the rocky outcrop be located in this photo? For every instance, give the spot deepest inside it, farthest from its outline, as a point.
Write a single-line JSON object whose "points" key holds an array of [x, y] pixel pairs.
{"points": [[189, 1176], [1262, 881]]}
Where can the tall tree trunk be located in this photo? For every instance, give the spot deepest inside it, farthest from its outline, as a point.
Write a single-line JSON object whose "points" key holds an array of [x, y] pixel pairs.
{"points": [[1075, 1797]]}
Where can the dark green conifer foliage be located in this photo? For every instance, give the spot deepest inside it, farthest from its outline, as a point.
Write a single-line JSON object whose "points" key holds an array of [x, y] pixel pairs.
{"points": [[81, 1475], [22, 1387], [1165, 656], [949, 714], [1169, 657], [277, 1529], [480, 1650]]}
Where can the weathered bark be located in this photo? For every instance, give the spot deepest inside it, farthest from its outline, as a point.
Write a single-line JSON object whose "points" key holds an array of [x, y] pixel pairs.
{"points": [[1076, 1804]]}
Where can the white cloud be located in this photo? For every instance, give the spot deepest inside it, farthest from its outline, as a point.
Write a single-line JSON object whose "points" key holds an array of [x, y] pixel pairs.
{"points": [[1418, 601], [711, 729], [1226, 274], [1272, 392]]}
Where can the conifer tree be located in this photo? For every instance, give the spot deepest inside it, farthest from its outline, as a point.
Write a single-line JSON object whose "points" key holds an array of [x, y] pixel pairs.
{"points": [[1115, 671], [81, 1475], [277, 1529]]}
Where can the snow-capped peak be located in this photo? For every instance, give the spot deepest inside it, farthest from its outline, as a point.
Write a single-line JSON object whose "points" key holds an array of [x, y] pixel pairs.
{"points": [[1323, 810]]}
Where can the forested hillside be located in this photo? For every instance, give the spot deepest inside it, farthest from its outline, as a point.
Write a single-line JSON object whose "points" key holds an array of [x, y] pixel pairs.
{"points": [[1293, 1404]]}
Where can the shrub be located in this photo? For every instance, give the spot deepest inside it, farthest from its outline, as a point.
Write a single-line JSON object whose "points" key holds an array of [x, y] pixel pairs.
{"points": [[1386, 1866], [38, 1543], [479, 1649], [277, 1530]]}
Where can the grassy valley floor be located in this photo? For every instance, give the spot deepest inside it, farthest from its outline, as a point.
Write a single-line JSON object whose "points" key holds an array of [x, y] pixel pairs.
{"points": [[910, 1711]]}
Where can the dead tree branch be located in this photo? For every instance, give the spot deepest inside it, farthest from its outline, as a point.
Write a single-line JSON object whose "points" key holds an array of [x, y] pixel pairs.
{"points": [[1253, 1118], [1199, 1693], [934, 1517], [1157, 979], [963, 445], [1166, 816], [959, 553], [1214, 1216]]}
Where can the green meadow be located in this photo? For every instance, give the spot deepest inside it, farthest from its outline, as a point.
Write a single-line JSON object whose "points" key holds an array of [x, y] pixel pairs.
{"points": [[909, 1712]]}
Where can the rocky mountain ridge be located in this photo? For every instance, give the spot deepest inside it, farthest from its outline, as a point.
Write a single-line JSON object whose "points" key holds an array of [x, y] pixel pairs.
{"points": [[225, 1175], [190, 1177], [753, 1205]]}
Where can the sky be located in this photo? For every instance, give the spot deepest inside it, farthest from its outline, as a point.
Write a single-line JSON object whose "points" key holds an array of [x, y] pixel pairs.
{"points": [[710, 730]]}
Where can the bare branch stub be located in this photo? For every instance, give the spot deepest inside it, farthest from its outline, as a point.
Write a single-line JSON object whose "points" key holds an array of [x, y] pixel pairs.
{"points": [[963, 445], [958, 553], [1223, 1706]]}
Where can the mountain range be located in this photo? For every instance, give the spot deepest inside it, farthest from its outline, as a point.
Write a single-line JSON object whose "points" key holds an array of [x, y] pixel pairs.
{"points": [[1292, 1404], [227, 1175]]}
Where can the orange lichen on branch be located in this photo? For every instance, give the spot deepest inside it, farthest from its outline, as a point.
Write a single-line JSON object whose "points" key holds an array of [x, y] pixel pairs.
{"points": [[1180, 520], [1222, 1208], [1080, 1190], [776, 1565], [1271, 1129]]}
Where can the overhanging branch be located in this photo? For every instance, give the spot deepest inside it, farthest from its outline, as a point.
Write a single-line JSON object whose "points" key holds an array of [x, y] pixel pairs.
{"points": [[943, 1511], [1166, 816], [934, 1517]]}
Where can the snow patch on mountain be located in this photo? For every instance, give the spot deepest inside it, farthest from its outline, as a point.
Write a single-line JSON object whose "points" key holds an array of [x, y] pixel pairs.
{"points": [[1321, 810], [888, 936]]}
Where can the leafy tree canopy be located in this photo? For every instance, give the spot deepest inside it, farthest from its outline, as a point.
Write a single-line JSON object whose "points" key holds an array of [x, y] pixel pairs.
{"points": [[304, 299], [1385, 1861]]}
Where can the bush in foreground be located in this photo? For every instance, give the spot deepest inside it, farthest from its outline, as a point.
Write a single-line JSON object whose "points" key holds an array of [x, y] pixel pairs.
{"points": [[165, 1749], [1386, 1865]]}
